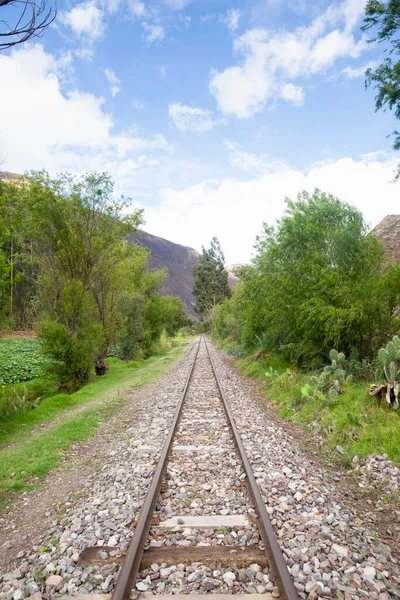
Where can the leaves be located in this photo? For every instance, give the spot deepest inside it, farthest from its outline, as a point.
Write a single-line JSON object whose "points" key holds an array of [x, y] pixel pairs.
{"points": [[20, 360], [210, 286]]}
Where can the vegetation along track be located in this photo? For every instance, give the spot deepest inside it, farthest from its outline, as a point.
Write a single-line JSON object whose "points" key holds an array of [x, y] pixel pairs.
{"points": [[203, 443]]}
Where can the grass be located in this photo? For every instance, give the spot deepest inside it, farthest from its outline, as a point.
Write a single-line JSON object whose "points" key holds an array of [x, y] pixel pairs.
{"points": [[30, 460], [361, 425]]}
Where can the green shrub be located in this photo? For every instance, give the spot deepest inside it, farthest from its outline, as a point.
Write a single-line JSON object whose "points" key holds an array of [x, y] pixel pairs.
{"points": [[71, 356]]}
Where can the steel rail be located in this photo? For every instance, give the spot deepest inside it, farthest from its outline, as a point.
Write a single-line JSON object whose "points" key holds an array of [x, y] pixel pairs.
{"points": [[276, 562], [133, 558]]}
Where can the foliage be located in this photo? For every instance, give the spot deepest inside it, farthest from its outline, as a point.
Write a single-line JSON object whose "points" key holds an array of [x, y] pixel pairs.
{"points": [[318, 281], [385, 17], [20, 360], [131, 309], [162, 313], [13, 400], [89, 286], [210, 286], [72, 356]]}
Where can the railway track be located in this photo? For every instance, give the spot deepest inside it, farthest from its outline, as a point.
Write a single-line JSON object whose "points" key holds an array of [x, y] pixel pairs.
{"points": [[202, 444]]}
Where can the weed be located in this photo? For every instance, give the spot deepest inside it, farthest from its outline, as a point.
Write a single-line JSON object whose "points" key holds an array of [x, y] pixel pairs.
{"points": [[222, 529]]}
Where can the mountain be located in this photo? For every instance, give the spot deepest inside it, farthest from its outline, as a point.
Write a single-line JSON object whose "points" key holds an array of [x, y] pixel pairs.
{"points": [[388, 231], [179, 261]]}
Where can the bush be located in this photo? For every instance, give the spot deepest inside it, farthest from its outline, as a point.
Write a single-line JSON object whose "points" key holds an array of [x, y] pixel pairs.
{"points": [[71, 356], [319, 280]]}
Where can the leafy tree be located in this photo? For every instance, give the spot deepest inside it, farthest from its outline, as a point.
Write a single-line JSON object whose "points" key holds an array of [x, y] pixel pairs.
{"points": [[17, 283], [318, 281], [163, 313], [210, 279], [77, 227], [385, 17]]}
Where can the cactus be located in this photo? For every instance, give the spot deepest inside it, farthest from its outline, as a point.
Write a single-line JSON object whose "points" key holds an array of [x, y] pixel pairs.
{"points": [[331, 382], [388, 368]]}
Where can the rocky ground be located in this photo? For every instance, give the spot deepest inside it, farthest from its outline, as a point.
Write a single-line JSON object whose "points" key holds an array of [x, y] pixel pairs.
{"points": [[330, 550]]}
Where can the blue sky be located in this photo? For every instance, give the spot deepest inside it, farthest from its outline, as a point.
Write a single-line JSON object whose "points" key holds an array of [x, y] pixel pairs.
{"points": [[206, 113]]}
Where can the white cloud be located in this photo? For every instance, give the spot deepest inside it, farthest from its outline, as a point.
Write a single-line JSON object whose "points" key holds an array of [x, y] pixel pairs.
{"points": [[61, 130], [113, 81], [187, 118], [293, 93], [231, 19], [138, 9], [154, 33], [85, 19], [272, 60], [162, 70], [239, 208], [355, 72]]}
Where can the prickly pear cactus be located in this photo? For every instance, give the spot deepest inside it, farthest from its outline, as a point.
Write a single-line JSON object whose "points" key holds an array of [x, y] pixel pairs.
{"points": [[388, 367]]}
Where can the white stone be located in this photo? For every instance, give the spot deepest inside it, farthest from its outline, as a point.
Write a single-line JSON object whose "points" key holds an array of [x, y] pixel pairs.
{"points": [[369, 572], [141, 586], [339, 550], [54, 580]]}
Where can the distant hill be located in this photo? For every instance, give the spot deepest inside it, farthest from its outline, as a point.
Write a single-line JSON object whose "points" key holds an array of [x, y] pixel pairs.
{"points": [[179, 261], [388, 231]]}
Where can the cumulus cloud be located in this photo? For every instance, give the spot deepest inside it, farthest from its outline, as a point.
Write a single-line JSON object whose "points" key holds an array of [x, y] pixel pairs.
{"points": [[113, 80], [239, 207], [162, 70], [62, 130], [187, 118], [154, 33], [85, 19], [271, 61]]}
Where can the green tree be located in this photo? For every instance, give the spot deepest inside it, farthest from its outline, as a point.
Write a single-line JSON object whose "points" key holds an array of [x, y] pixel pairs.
{"points": [[384, 17], [210, 279], [318, 281], [77, 227]]}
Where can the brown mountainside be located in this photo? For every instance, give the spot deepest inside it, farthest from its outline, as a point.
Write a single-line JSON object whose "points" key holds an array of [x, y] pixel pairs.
{"points": [[388, 231], [179, 261]]}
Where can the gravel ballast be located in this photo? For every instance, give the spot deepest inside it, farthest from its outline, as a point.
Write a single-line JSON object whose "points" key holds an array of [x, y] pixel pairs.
{"points": [[329, 550]]}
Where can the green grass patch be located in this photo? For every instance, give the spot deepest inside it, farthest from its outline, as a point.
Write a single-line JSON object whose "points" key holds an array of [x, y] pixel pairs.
{"points": [[34, 455], [361, 425]]}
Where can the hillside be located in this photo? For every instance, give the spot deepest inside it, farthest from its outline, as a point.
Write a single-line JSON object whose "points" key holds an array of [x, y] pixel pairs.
{"points": [[179, 261], [388, 231]]}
